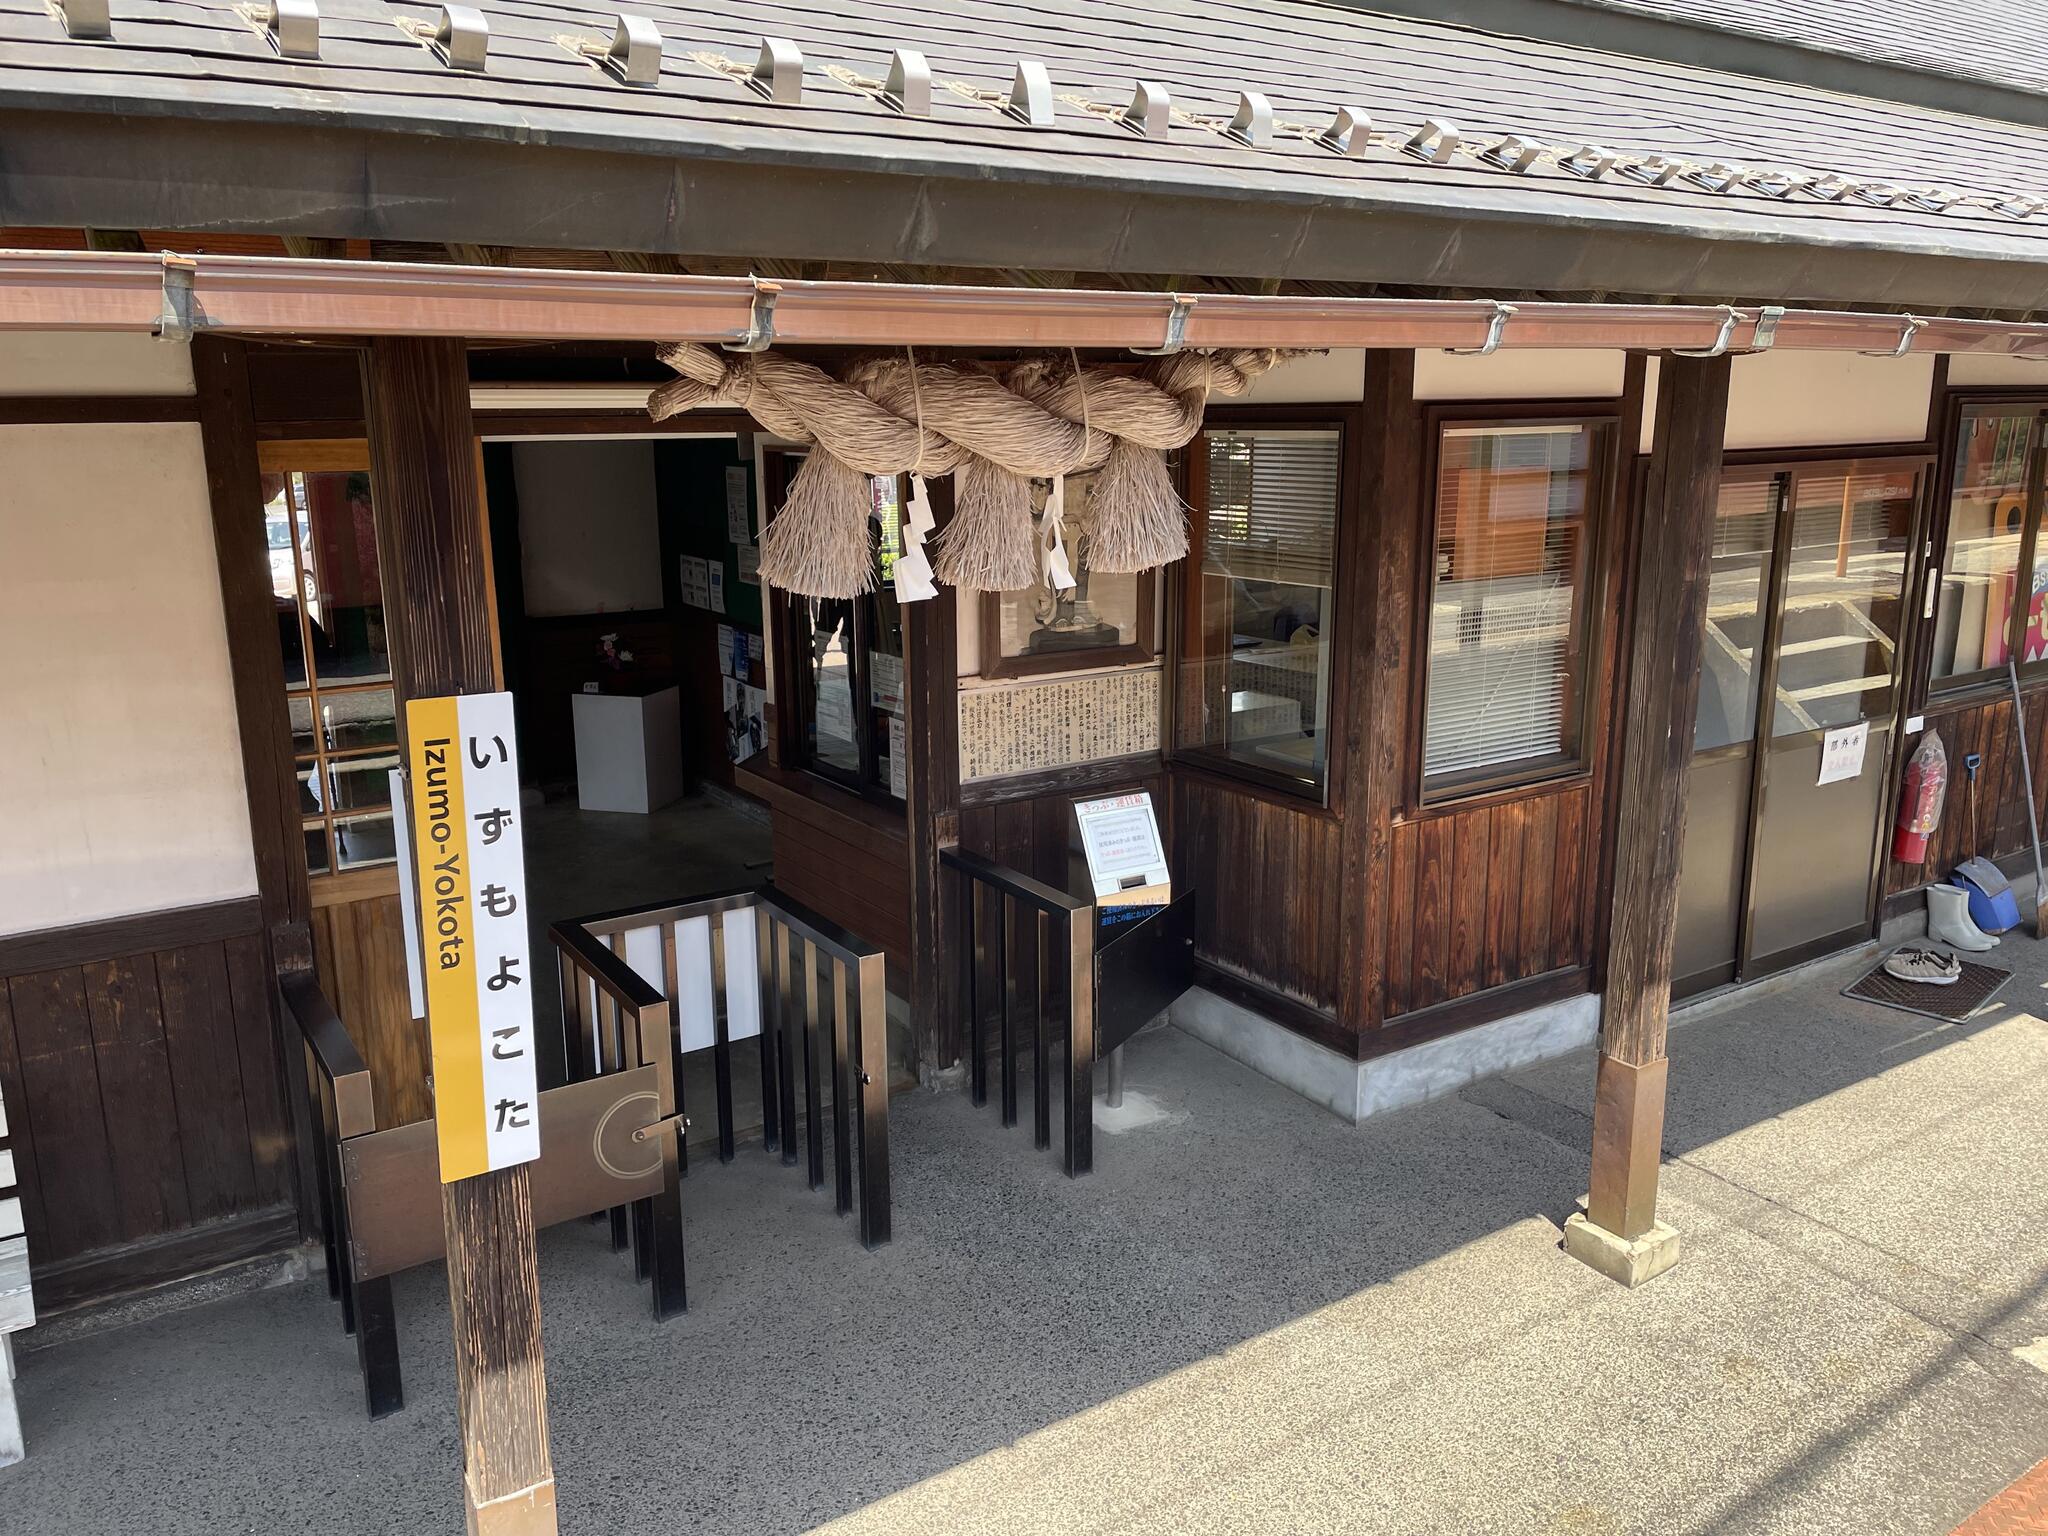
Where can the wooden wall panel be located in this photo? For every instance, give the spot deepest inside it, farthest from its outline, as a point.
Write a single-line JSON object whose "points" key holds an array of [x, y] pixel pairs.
{"points": [[359, 949], [1985, 727], [1268, 879], [842, 856], [1488, 895], [145, 1103]]}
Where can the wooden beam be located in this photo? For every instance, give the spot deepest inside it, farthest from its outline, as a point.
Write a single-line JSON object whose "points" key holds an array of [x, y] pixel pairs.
{"points": [[1668, 624], [932, 811], [437, 587]]}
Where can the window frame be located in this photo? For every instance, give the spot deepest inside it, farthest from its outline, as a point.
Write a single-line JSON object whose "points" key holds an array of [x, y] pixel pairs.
{"points": [[287, 457], [1933, 553], [1346, 624], [795, 708], [1605, 419], [994, 664]]}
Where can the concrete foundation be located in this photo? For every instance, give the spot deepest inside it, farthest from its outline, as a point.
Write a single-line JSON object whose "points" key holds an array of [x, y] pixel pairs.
{"points": [[1627, 1263], [1358, 1090]]}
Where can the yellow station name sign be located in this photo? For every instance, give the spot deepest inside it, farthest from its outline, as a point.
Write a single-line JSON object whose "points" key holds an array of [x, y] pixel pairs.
{"points": [[471, 879]]}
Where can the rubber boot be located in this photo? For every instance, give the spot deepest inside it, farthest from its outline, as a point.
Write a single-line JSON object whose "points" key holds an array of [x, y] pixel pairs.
{"points": [[1948, 920]]}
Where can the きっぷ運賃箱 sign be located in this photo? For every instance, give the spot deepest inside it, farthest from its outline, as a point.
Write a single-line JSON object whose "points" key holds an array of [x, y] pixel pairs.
{"points": [[471, 879]]}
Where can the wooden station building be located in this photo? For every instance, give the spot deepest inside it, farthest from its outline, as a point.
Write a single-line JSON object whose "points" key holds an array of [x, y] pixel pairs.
{"points": [[1658, 400]]}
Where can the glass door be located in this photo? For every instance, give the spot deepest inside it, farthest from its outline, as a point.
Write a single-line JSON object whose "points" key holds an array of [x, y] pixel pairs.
{"points": [[1714, 867], [1801, 653], [1835, 656]]}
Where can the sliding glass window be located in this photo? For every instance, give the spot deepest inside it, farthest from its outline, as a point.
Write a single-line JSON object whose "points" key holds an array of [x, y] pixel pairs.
{"points": [[1254, 686], [1506, 629], [1991, 600], [337, 663]]}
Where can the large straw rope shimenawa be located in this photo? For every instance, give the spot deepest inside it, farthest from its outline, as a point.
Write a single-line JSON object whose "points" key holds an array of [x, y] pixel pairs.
{"points": [[994, 431]]}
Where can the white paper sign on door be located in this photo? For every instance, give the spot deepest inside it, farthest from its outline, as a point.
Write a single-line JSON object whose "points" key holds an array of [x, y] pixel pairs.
{"points": [[1841, 752]]}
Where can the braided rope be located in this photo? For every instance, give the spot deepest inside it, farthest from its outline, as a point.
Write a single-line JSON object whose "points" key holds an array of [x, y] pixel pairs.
{"points": [[993, 431]]}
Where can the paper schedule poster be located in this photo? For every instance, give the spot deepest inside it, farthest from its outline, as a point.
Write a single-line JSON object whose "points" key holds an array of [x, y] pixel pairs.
{"points": [[736, 499], [471, 878]]}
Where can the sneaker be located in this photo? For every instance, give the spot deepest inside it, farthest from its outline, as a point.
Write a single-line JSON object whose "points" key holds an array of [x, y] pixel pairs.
{"points": [[1926, 966]]}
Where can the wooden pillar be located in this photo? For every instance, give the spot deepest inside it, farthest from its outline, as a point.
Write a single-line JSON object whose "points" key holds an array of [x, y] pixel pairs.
{"points": [[234, 482], [1376, 545], [1619, 1234], [437, 607], [932, 811]]}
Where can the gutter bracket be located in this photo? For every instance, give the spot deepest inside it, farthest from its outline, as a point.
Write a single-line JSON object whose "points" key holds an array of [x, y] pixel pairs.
{"points": [[1766, 327], [1729, 315], [1496, 327], [1913, 327], [1176, 328], [176, 321], [759, 335]]}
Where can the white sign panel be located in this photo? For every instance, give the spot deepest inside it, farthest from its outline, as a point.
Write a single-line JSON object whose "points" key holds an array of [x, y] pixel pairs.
{"points": [[479, 977], [1120, 836], [1841, 752]]}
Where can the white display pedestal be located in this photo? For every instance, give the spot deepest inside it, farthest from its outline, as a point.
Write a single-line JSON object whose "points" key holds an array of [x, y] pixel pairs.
{"points": [[629, 750]]}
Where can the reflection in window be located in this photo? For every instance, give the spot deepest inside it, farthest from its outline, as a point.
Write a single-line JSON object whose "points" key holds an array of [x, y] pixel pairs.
{"points": [[1255, 671], [849, 665], [1979, 568], [1844, 574], [322, 539], [1100, 620], [1738, 583], [1507, 615]]}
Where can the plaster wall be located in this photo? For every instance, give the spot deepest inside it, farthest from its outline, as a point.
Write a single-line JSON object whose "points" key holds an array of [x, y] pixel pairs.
{"points": [[121, 787]]}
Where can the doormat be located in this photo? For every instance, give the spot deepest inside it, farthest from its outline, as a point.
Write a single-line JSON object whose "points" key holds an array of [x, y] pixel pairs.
{"points": [[1955, 1004]]}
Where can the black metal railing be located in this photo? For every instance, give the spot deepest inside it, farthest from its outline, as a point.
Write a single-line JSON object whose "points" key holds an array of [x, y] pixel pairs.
{"points": [[751, 965], [345, 1104], [622, 1022], [1060, 989]]}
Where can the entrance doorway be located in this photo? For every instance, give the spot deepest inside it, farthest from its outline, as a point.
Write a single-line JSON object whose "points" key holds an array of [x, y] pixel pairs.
{"points": [[630, 633], [1804, 616]]}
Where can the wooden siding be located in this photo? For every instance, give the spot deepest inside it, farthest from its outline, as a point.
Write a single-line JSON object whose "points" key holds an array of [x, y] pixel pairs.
{"points": [[146, 1102], [839, 855], [1488, 895], [359, 949], [1267, 878], [2001, 833]]}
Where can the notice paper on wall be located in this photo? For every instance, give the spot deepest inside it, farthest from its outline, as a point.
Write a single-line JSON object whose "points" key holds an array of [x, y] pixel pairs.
{"points": [[736, 499], [899, 770], [696, 581], [1126, 860], [472, 884], [750, 564], [1841, 752], [715, 571]]}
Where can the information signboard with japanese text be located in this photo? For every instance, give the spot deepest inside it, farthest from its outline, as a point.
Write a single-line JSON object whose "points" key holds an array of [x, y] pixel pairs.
{"points": [[473, 934]]}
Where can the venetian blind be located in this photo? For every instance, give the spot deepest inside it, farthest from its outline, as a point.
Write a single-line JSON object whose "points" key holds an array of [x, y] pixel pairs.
{"points": [[1503, 631], [1272, 506]]}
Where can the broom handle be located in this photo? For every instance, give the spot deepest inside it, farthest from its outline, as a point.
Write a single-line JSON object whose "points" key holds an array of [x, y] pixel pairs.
{"points": [[2019, 717]]}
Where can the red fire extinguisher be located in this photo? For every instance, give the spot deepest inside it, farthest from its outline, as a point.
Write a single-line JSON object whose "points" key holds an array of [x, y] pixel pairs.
{"points": [[1920, 796]]}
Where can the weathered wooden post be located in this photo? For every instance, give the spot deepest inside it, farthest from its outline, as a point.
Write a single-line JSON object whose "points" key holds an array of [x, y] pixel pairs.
{"points": [[436, 573], [1619, 1234]]}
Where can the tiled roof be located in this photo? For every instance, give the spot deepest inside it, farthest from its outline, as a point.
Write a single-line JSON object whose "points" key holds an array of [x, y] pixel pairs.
{"points": [[1997, 41], [1453, 122]]}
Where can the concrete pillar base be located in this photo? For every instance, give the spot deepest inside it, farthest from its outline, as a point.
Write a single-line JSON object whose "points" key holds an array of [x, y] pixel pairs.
{"points": [[1620, 1260]]}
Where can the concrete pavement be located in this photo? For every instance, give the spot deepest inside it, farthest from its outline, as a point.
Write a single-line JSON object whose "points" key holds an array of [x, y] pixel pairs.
{"points": [[1253, 1317]]}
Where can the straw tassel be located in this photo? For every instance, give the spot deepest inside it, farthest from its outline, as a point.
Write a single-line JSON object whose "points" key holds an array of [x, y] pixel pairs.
{"points": [[1139, 520], [817, 545], [988, 546]]}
